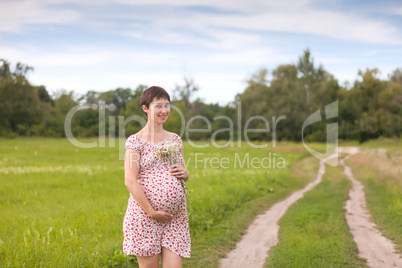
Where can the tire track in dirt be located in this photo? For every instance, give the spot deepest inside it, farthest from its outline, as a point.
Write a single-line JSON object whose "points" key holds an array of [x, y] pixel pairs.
{"points": [[372, 245], [262, 234]]}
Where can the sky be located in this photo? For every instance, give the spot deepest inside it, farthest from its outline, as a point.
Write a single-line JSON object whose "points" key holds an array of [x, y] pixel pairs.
{"points": [[102, 45]]}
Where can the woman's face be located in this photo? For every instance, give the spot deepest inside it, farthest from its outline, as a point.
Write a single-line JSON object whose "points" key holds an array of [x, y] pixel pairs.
{"points": [[159, 110]]}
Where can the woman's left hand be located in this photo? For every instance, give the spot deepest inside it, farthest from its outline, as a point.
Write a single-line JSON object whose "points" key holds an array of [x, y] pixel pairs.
{"points": [[179, 171]]}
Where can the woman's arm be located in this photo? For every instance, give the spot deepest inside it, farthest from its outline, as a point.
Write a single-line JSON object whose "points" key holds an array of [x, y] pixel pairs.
{"points": [[131, 171]]}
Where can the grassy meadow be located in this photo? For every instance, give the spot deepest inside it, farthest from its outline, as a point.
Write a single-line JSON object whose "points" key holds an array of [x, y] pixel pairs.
{"points": [[314, 231], [379, 168], [64, 206]]}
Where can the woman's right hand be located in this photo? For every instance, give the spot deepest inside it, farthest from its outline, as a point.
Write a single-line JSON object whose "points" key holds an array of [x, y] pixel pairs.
{"points": [[161, 216]]}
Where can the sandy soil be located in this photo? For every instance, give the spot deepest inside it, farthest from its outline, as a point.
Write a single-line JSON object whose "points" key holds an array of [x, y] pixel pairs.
{"points": [[372, 245], [262, 234]]}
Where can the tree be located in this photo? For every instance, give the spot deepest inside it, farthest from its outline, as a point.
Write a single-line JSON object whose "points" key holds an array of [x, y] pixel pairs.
{"points": [[258, 78], [396, 76], [288, 99], [91, 97], [133, 107], [63, 102], [310, 77], [44, 95], [118, 97], [20, 107], [369, 88], [376, 105], [186, 92]]}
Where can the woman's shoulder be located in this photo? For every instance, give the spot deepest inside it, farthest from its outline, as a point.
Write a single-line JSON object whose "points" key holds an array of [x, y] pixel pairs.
{"points": [[134, 142], [171, 136], [133, 137]]}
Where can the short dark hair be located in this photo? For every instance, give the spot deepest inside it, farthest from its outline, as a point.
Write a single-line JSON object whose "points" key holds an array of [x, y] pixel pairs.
{"points": [[152, 93]]}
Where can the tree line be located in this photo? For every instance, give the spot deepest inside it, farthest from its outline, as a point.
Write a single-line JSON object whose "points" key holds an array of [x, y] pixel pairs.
{"points": [[277, 103]]}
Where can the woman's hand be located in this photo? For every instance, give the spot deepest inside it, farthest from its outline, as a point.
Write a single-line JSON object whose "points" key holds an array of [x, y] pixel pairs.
{"points": [[161, 216], [179, 171]]}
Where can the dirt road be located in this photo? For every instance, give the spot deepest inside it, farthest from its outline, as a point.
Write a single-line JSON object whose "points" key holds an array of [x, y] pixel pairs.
{"points": [[372, 245], [262, 234]]}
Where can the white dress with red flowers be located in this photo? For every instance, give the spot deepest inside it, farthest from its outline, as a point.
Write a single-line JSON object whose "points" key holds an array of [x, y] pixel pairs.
{"points": [[144, 236]]}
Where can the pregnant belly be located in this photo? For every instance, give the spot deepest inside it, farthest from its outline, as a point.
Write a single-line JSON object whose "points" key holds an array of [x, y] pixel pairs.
{"points": [[165, 193]]}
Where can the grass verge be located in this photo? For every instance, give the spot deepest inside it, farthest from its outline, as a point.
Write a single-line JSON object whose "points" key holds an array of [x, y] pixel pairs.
{"points": [[380, 171], [314, 231]]}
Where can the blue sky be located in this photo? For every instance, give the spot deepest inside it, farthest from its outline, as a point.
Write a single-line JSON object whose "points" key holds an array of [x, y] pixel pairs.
{"points": [[101, 45]]}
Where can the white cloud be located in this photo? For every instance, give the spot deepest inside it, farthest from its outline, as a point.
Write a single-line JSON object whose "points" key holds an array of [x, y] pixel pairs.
{"points": [[219, 88], [397, 10], [309, 21], [81, 82], [371, 52], [14, 15], [214, 87], [150, 58], [256, 56], [78, 83], [231, 40], [190, 26], [330, 60], [289, 16], [226, 5], [11, 54], [85, 56], [70, 59]]}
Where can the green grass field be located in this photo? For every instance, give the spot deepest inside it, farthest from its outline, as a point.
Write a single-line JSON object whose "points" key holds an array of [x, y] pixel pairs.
{"points": [[62, 206], [380, 172], [314, 231]]}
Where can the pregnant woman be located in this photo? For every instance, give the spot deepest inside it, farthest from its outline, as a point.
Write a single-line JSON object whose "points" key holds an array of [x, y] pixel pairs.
{"points": [[156, 220]]}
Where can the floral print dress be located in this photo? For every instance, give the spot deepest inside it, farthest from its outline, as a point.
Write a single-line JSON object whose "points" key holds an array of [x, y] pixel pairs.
{"points": [[144, 236]]}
